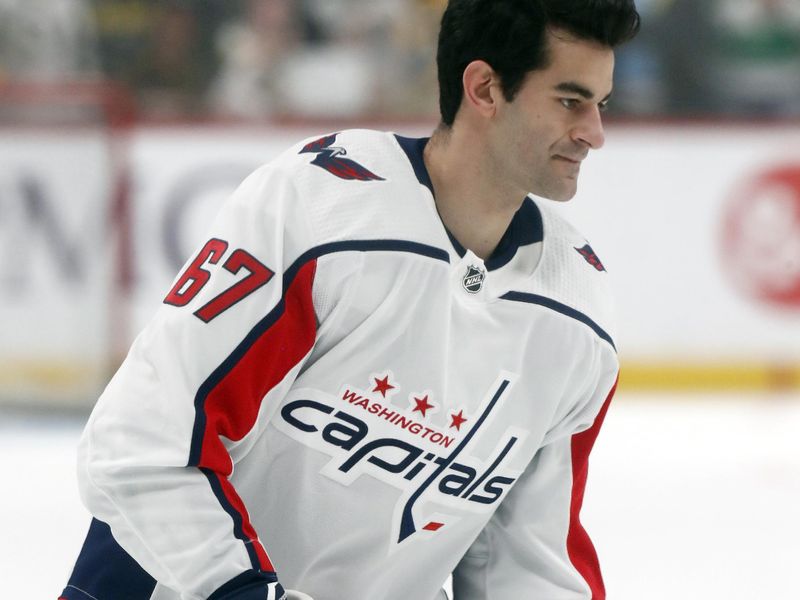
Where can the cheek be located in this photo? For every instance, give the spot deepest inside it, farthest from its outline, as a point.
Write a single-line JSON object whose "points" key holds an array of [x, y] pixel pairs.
{"points": [[533, 141], [525, 139], [538, 129]]}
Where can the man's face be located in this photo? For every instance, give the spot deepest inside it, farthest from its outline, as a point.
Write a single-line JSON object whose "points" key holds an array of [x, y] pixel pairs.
{"points": [[541, 137]]}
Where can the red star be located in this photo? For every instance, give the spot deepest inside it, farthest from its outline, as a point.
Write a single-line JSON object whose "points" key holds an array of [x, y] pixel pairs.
{"points": [[458, 420], [422, 405], [382, 386]]}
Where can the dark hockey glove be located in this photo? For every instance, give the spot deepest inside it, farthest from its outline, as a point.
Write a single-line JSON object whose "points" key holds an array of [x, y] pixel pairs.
{"points": [[252, 585]]}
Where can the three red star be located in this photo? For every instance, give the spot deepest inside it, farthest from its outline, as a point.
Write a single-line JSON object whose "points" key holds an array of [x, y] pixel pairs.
{"points": [[382, 386], [422, 405], [457, 419]]}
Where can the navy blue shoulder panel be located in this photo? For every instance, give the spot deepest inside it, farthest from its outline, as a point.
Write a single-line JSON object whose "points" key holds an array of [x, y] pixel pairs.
{"points": [[104, 571], [559, 308], [414, 147]]}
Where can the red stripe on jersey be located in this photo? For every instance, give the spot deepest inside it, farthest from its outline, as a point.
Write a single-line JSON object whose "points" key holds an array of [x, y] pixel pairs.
{"points": [[579, 546], [248, 530], [231, 407]]}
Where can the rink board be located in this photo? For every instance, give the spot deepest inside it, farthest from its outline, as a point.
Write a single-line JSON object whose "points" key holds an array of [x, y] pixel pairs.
{"points": [[698, 228]]}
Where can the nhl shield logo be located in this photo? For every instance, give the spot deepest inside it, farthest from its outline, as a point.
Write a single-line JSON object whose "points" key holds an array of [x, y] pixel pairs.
{"points": [[473, 280]]}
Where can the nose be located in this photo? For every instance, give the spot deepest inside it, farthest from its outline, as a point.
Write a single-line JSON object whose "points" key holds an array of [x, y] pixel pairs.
{"points": [[589, 129]]}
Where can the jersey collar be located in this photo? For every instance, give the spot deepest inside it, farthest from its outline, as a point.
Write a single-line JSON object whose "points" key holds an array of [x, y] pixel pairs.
{"points": [[525, 228]]}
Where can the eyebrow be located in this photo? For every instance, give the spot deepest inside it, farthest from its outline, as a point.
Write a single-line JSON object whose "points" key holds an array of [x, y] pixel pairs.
{"points": [[572, 87]]}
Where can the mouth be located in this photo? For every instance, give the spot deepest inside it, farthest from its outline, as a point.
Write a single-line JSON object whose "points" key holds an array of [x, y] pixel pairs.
{"points": [[574, 161]]}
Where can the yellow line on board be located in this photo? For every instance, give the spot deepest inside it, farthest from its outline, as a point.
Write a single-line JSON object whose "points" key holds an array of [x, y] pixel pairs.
{"points": [[47, 373], [634, 376], [709, 377]]}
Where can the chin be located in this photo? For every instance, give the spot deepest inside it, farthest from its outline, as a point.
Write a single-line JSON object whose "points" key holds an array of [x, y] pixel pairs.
{"points": [[564, 194], [556, 187]]}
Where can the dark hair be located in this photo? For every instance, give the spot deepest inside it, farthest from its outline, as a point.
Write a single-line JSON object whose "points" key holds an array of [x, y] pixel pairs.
{"points": [[510, 35]]}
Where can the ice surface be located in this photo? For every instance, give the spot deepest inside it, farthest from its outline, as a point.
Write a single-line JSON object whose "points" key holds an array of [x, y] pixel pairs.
{"points": [[690, 497]]}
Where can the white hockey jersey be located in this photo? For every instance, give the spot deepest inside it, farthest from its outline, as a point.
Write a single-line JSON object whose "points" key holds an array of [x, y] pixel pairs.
{"points": [[336, 390]]}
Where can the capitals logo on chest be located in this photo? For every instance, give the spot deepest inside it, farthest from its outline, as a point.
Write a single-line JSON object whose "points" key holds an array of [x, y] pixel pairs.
{"points": [[414, 445]]}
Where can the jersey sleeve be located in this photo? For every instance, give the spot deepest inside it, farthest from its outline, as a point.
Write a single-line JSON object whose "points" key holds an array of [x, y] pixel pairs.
{"points": [[534, 546], [197, 388]]}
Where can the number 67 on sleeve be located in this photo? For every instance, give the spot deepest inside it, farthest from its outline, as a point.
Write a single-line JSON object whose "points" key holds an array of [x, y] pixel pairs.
{"points": [[195, 278]]}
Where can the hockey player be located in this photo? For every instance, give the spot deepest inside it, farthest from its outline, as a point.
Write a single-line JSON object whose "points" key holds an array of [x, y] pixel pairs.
{"points": [[389, 362]]}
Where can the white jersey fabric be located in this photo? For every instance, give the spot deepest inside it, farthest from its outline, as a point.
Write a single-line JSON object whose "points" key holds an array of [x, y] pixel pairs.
{"points": [[336, 390]]}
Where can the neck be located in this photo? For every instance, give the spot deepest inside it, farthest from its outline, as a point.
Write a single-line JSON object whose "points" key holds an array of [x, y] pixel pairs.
{"points": [[473, 201]]}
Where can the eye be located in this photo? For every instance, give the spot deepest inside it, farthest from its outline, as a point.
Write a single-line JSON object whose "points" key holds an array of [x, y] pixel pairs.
{"points": [[603, 106], [569, 103]]}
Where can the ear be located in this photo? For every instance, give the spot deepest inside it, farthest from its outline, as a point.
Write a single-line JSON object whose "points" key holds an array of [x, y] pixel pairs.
{"points": [[481, 87]]}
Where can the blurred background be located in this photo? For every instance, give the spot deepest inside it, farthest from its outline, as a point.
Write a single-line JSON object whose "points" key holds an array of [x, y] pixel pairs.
{"points": [[124, 124]]}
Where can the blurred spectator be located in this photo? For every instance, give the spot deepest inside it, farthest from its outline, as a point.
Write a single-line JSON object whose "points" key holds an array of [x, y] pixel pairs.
{"points": [[685, 42], [162, 49], [409, 85], [254, 50], [339, 75], [46, 41], [758, 56], [123, 30], [639, 77], [166, 74], [384, 55], [713, 57], [327, 58], [307, 58]]}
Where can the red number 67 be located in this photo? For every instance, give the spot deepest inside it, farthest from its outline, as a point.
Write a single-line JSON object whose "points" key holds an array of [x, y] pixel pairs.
{"points": [[195, 277]]}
